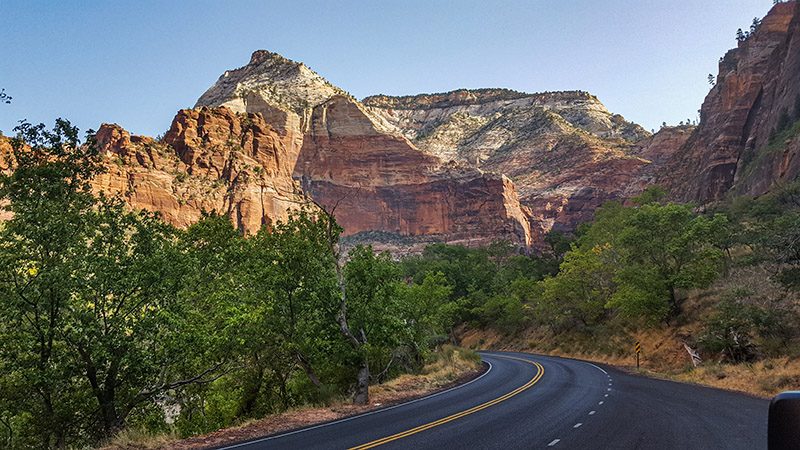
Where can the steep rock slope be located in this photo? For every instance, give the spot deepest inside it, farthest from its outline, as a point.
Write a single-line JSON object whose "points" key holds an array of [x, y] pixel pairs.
{"points": [[744, 141], [566, 153], [357, 165]]}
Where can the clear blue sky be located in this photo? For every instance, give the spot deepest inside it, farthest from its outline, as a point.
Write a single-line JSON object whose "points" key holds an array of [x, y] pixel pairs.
{"points": [[137, 62]]}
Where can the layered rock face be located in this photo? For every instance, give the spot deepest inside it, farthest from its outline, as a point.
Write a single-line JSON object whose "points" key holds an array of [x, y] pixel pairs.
{"points": [[355, 164], [566, 153], [443, 167], [739, 145], [468, 166], [209, 160]]}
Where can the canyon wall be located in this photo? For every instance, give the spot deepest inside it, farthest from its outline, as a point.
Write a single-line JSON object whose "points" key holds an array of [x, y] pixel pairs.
{"points": [[467, 166], [744, 143]]}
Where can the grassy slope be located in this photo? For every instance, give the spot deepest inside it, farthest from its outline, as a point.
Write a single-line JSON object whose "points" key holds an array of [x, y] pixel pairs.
{"points": [[664, 354]]}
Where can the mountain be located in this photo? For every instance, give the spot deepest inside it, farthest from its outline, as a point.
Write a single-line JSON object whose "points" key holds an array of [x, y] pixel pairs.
{"points": [[466, 166], [351, 163], [469, 166]]}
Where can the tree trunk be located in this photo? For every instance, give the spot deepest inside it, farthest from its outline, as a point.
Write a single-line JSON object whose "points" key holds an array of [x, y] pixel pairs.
{"points": [[675, 307], [112, 422], [251, 390], [303, 361], [361, 396], [105, 395]]}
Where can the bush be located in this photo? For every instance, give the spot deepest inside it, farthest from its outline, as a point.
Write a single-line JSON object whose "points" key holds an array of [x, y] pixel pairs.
{"points": [[729, 332]]}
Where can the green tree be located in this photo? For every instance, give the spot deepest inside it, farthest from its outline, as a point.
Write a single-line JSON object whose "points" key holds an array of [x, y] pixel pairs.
{"points": [[50, 200], [374, 306], [427, 311], [558, 242], [582, 288], [664, 248], [638, 259], [296, 286], [89, 306], [119, 312], [731, 331], [220, 325]]}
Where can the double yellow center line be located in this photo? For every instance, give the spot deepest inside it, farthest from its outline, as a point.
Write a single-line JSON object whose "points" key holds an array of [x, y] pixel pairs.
{"points": [[474, 409]]}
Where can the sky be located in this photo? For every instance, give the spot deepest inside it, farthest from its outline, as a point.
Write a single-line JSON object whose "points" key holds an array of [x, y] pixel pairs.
{"points": [[136, 63]]}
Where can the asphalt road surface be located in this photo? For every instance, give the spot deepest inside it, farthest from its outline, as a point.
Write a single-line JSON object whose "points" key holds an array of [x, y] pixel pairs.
{"points": [[529, 401]]}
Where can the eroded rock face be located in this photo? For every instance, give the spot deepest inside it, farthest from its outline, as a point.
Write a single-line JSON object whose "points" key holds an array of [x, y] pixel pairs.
{"points": [[566, 153], [380, 182], [209, 160], [361, 167], [758, 83]]}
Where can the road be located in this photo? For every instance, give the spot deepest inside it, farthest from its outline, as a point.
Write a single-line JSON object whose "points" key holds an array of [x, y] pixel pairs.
{"points": [[528, 401]]}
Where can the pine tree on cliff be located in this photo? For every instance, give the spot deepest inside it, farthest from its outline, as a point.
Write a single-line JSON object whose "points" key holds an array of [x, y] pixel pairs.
{"points": [[4, 98], [740, 36], [755, 25]]}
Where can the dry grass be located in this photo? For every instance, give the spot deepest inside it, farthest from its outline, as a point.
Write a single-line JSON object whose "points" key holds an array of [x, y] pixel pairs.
{"points": [[663, 352], [449, 366], [764, 378], [666, 358], [134, 439]]}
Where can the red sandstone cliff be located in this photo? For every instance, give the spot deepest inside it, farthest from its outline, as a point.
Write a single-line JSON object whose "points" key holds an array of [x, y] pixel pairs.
{"points": [[370, 176], [734, 145], [381, 182], [209, 160]]}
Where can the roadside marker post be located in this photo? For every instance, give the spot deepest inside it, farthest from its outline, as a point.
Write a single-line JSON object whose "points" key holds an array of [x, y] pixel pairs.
{"points": [[638, 350]]}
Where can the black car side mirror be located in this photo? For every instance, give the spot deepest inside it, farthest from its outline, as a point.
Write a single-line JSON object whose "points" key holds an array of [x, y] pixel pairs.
{"points": [[784, 421]]}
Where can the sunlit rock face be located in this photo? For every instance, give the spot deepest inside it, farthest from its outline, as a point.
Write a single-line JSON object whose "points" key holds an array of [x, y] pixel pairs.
{"points": [[361, 168], [564, 151], [209, 160], [467, 166]]}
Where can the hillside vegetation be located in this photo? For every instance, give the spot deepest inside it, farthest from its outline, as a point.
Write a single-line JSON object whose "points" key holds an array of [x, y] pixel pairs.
{"points": [[722, 282]]}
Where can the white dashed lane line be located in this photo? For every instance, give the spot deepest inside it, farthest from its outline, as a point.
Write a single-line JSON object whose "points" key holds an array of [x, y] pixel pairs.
{"points": [[591, 413]]}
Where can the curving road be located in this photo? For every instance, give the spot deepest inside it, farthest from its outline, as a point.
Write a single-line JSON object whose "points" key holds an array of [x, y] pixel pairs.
{"points": [[528, 401]]}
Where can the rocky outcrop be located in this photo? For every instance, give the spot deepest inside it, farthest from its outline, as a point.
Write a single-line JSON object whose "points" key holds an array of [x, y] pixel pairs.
{"points": [[744, 143], [209, 160], [659, 149], [426, 118]]}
